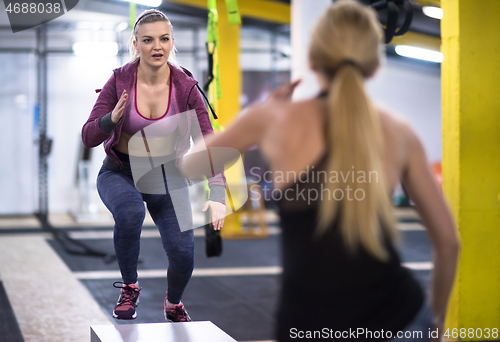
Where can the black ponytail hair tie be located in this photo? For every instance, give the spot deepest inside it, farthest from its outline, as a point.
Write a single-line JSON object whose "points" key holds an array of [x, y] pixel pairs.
{"points": [[345, 62]]}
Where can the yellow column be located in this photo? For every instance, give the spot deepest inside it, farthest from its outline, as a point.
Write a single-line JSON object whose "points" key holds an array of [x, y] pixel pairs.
{"points": [[229, 67], [229, 103], [471, 160]]}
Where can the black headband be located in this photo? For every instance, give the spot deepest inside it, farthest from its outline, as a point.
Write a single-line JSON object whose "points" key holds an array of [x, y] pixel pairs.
{"points": [[147, 14]]}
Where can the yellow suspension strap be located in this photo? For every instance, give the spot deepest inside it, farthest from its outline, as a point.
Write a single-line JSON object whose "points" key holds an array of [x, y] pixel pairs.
{"points": [[214, 89], [213, 85], [212, 43], [131, 10], [233, 12]]}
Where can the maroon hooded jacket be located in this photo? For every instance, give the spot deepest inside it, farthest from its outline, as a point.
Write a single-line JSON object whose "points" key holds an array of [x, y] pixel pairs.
{"points": [[99, 127]]}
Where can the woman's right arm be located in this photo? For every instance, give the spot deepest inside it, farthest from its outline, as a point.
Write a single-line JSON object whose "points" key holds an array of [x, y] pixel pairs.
{"points": [[104, 116], [422, 189]]}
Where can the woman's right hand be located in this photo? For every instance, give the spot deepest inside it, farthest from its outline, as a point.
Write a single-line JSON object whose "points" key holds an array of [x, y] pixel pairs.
{"points": [[437, 325], [283, 93], [117, 113]]}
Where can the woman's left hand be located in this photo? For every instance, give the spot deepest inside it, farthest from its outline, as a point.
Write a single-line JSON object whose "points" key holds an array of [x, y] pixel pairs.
{"points": [[218, 211]]}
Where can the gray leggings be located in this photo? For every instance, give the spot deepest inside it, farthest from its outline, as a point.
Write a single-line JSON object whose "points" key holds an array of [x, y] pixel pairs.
{"points": [[120, 195]]}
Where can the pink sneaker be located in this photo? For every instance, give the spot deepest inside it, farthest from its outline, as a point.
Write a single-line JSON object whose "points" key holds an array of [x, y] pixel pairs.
{"points": [[127, 302], [176, 313]]}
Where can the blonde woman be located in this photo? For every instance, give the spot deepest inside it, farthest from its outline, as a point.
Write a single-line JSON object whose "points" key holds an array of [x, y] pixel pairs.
{"points": [[150, 90], [336, 159]]}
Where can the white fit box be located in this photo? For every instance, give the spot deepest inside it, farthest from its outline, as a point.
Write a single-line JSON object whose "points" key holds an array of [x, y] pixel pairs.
{"points": [[155, 332]]}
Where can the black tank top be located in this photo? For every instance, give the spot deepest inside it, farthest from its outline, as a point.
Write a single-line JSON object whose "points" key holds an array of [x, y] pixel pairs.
{"points": [[325, 287]]}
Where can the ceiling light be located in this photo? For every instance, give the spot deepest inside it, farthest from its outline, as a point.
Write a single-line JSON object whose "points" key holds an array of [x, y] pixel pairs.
{"points": [[121, 26], [419, 53], [95, 48], [97, 25], [84, 25], [433, 12], [149, 3], [108, 25]]}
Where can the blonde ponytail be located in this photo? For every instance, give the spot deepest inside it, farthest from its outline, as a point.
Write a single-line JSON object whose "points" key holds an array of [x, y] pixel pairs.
{"points": [[355, 144], [344, 49]]}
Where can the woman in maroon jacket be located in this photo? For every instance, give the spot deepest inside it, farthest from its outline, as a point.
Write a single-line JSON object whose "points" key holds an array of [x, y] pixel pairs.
{"points": [[144, 144]]}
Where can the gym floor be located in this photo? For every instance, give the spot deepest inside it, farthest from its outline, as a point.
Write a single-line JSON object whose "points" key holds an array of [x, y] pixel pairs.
{"points": [[47, 294]]}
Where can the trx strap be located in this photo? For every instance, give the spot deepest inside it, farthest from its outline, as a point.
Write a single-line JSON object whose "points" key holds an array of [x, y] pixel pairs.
{"points": [[212, 38], [408, 19], [131, 13], [210, 54], [233, 13], [208, 102], [393, 10], [65, 240], [212, 46]]}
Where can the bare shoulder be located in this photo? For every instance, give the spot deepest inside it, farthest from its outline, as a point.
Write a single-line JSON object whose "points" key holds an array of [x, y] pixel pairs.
{"points": [[396, 125], [402, 139], [389, 117], [298, 111], [264, 113], [285, 115]]}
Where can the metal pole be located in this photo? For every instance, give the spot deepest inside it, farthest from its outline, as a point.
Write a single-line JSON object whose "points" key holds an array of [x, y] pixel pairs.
{"points": [[274, 59], [119, 41], [43, 142], [196, 41]]}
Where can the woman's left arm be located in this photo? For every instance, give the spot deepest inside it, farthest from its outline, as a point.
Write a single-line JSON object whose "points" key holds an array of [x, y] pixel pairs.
{"points": [[243, 133], [202, 128], [236, 139], [246, 131]]}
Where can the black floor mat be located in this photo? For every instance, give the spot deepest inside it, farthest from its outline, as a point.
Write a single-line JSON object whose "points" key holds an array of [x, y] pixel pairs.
{"points": [[9, 329], [242, 306], [236, 253]]}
